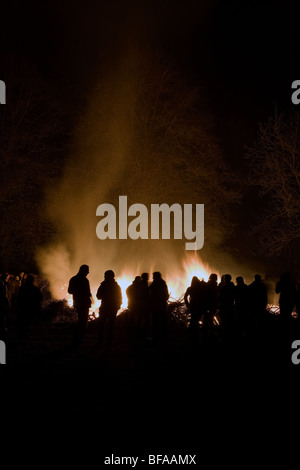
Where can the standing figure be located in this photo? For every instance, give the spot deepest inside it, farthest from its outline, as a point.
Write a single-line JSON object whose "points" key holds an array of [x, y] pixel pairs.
{"points": [[110, 294], [4, 304], [79, 287], [258, 301], [287, 290], [212, 300], [159, 295], [297, 300], [196, 300], [226, 299], [213, 293], [241, 305], [29, 305], [133, 293], [145, 304]]}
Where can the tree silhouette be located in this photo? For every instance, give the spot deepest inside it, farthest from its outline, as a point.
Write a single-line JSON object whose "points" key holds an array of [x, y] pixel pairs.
{"points": [[174, 153], [31, 137], [274, 161]]}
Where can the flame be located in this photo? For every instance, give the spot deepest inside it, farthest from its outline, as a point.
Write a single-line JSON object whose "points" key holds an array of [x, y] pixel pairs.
{"points": [[177, 284], [69, 300], [192, 266], [124, 281], [94, 310], [195, 267], [273, 309]]}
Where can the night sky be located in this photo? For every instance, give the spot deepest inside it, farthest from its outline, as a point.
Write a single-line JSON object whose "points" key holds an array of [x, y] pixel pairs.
{"points": [[244, 56], [247, 53]]}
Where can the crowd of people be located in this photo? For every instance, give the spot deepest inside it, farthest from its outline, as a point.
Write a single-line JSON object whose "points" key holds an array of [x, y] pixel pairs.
{"points": [[147, 304], [20, 295], [237, 308], [241, 308]]}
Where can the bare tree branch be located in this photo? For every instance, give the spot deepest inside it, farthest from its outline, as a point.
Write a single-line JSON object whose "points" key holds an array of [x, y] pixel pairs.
{"points": [[274, 161]]}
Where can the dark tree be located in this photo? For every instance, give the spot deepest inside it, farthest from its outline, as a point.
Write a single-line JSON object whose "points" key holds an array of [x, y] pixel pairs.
{"points": [[31, 141], [274, 161]]}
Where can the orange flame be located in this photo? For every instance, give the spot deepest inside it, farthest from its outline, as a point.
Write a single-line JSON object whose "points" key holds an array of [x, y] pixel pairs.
{"points": [[192, 266], [177, 284]]}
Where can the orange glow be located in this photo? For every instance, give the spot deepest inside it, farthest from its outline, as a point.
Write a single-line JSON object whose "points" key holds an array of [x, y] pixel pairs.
{"points": [[273, 309], [192, 266], [124, 281], [69, 300], [177, 284], [94, 310]]}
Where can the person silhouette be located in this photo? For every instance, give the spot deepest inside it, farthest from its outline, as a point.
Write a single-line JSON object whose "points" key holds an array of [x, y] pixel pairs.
{"points": [[297, 300], [226, 299], [287, 290], [241, 305], [4, 304], [110, 294], [213, 294], [258, 296], [79, 288], [195, 299], [29, 305], [145, 304], [133, 293], [159, 295], [212, 303]]}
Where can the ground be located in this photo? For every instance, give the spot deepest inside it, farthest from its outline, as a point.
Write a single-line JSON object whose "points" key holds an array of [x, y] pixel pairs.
{"points": [[139, 397]]}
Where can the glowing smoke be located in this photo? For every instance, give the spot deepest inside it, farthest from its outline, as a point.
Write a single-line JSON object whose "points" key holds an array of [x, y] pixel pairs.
{"points": [[140, 137]]}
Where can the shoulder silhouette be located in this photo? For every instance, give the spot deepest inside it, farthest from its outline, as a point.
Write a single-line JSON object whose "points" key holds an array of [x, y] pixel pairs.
{"points": [[79, 287], [159, 295], [110, 294]]}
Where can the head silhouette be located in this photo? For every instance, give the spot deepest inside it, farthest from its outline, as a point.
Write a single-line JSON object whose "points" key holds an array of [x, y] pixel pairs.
{"points": [[145, 277], [227, 278], [213, 277], [257, 277], [109, 275], [195, 281], [156, 276], [240, 280], [29, 280], [84, 269]]}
